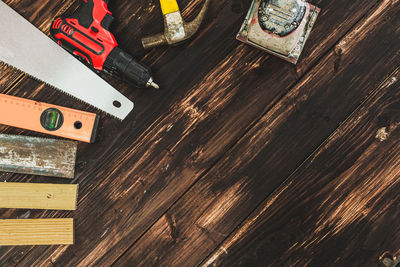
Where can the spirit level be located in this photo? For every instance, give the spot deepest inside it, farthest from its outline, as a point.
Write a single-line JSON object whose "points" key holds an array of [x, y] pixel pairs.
{"points": [[49, 119]]}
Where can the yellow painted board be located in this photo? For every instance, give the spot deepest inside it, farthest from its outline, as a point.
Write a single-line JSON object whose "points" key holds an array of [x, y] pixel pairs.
{"points": [[38, 196], [169, 6], [36, 232]]}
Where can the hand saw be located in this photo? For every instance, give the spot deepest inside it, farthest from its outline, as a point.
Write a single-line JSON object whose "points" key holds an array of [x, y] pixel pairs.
{"points": [[26, 48]]}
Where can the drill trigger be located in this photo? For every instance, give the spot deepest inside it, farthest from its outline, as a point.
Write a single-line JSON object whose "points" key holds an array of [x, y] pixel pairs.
{"points": [[107, 21]]}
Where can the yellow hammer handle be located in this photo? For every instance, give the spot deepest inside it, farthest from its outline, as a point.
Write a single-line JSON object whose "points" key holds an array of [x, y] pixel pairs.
{"points": [[169, 6]]}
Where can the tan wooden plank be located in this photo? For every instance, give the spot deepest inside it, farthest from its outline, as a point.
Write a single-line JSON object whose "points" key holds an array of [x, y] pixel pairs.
{"points": [[36, 232], [38, 196], [176, 134]]}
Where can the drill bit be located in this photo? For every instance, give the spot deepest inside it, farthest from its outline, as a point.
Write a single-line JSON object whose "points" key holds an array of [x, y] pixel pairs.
{"points": [[152, 84]]}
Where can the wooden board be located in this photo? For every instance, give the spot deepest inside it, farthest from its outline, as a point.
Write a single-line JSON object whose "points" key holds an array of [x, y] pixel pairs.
{"points": [[41, 14], [215, 90], [38, 196], [206, 117], [36, 232], [38, 156], [337, 211], [273, 148]]}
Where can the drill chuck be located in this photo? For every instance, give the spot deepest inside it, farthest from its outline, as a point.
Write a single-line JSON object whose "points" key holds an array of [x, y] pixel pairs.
{"points": [[123, 66]]}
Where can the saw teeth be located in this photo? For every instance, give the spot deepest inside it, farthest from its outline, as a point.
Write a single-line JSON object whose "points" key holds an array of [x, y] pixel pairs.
{"points": [[58, 89], [69, 75]]}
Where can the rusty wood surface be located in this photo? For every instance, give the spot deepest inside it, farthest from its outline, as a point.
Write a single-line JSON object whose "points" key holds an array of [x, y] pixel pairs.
{"points": [[215, 90], [38, 156], [274, 147], [341, 207]]}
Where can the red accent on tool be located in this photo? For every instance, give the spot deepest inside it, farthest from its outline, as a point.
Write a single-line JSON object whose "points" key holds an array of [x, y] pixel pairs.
{"points": [[86, 34]]}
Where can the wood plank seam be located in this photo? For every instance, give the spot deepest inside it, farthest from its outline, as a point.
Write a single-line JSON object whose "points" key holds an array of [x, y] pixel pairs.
{"points": [[369, 90], [254, 122], [15, 82], [22, 75], [373, 98], [285, 184], [276, 192]]}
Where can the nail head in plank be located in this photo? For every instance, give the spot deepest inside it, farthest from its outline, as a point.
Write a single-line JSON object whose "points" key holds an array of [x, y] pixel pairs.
{"points": [[38, 196]]}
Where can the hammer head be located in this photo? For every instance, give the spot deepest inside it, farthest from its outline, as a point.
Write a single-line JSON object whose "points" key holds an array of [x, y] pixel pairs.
{"points": [[176, 30]]}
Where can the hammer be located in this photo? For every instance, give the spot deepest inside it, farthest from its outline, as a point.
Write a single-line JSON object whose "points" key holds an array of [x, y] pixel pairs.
{"points": [[176, 30]]}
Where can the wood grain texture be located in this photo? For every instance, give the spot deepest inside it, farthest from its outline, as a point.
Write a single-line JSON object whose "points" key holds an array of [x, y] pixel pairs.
{"points": [[38, 196], [36, 232], [114, 150], [31, 155], [40, 13], [340, 206], [214, 90], [274, 147]]}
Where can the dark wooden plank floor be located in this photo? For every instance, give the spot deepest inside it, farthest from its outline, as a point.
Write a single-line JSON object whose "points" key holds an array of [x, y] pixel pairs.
{"points": [[242, 158], [341, 206]]}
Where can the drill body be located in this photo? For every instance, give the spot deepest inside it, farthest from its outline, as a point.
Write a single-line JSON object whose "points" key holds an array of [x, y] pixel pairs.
{"points": [[86, 34]]}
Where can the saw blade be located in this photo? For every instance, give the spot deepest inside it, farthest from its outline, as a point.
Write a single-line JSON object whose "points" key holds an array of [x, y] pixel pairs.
{"points": [[26, 48]]}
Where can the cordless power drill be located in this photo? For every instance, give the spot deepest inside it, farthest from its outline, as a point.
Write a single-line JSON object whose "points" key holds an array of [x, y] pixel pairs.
{"points": [[86, 34]]}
